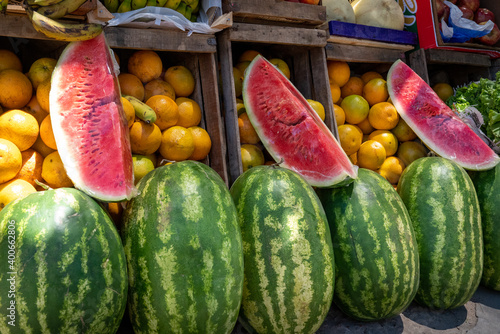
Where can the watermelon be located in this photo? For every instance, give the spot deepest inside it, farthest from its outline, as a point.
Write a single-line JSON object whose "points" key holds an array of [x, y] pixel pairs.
{"points": [[88, 121], [184, 252], [291, 130], [288, 255], [376, 255], [487, 185], [444, 210], [439, 128], [63, 267]]}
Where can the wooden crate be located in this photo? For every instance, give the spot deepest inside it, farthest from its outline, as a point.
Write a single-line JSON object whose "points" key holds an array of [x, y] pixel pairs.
{"points": [[301, 48]]}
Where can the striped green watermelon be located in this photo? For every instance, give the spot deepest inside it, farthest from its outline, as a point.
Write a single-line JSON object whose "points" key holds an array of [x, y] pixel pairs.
{"points": [[376, 255], [487, 184], [444, 210], [288, 255], [63, 267], [184, 252]]}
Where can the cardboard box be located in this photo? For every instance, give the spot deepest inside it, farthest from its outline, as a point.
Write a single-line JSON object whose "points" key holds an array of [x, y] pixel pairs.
{"points": [[430, 36]]}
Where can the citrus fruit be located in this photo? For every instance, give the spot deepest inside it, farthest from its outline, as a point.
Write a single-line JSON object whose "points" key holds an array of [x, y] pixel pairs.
{"points": [[365, 126], [144, 138], [354, 158], [410, 151], [142, 166], [338, 72], [19, 127], [350, 138], [177, 143], [240, 107], [33, 108], [189, 112], [131, 85], [242, 66], [318, 108], [41, 147], [353, 86], [115, 210], [246, 130], [53, 171], [367, 76], [145, 64], [391, 169], [158, 87], [248, 55], [383, 116], [181, 79], [31, 167], [47, 134], [356, 108], [403, 132], [387, 139], [10, 160], [129, 110], [371, 155], [375, 91], [202, 143], [15, 89], [167, 113], [443, 90], [14, 189], [335, 92], [9, 60], [251, 156], [339, 114], [41, 70], [281, 65], [238, 81], [43, 95]]}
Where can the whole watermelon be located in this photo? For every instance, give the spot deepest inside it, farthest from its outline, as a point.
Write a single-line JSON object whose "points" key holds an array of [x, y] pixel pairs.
{"points": [[184, 252], [63, 267], [288, 255], [376, 255], [445, 214], [487, 184]]}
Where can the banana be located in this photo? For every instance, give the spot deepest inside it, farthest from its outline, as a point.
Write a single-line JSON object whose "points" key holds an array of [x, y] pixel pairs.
{"points": [[151, 3], [189, 2], [181, 8], [67, 32], [142, 110], [112, 5], [42, 3], [3, 5], [187, 13], [125, 6], [60, 9], [195, 6], [136, 4], [173, 4], [160, 3]]}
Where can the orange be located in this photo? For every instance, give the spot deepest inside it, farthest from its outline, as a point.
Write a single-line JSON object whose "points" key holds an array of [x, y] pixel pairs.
{"points": [[129, 110], [371, 155], [47, 134], [43, 95], [10, 160], [158, 87], [339, 114], [391, 169], [31, 167], [350, 138], [53, 171], [144, 138], [41, 70], [387, 139], [354, 158], [145, 64], [356, 108], [202, 143], [15, 89], [443, 90], [338, 72], [403, 132], [375, 91], [189, 112], [242, 66], [383, 116], [318, 108], [353, 86], [247, 131], [14, 189], [131, 85], [167, 113], [335, 92], [177, 143], [115, 210], [41, 147], [282, 66], [248, 55], [9, 60], [410, 151], [238, 81], [367, 76], [142, 166], [181, 79], [251, 156], [365, 126], [34, 108], [19, 127]]}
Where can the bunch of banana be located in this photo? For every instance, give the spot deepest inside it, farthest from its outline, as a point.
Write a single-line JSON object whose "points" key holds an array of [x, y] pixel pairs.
{"points": [[188, 8], [43, 14]]}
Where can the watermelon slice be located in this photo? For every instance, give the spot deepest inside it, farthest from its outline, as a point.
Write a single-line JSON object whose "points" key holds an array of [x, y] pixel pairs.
{"points": [[439, 128], [291, 130], [89, 123]]}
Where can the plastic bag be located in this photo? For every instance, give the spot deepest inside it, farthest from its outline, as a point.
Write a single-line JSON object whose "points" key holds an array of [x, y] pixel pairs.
{"points": [[459, 29]]}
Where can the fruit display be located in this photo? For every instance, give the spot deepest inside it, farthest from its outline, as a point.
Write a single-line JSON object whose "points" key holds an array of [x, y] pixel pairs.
{"points": [[379, 13], [187, 8]]}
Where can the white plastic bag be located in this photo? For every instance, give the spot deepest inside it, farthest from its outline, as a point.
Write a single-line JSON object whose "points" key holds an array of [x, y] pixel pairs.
{"points": [[459, 29]]}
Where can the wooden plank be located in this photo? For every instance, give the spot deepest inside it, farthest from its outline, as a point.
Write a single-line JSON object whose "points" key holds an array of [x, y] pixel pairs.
{"points": [[456, 57], [18, 26], [370, 43], [302, 73], [418, 62], [364, 54]]}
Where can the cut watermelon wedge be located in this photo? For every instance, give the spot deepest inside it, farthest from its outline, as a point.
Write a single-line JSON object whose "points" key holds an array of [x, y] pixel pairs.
{"points": [[89, 123], [439, 128], [291, 130]]}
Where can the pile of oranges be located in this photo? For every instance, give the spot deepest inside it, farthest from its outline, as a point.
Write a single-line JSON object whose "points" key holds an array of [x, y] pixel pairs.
{"points": [[370, 130]]}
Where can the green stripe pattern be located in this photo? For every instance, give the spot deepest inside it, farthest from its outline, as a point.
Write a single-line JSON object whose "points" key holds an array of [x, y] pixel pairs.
{"points": [[376, 254], [184, 252], [487, 184], [69, 268], [288, 255], [444, 210]]}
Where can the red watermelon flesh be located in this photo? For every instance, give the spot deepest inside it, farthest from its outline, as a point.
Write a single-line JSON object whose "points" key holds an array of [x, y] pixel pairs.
{"points": [[291, 130], [89, 123], [439, 128]]}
